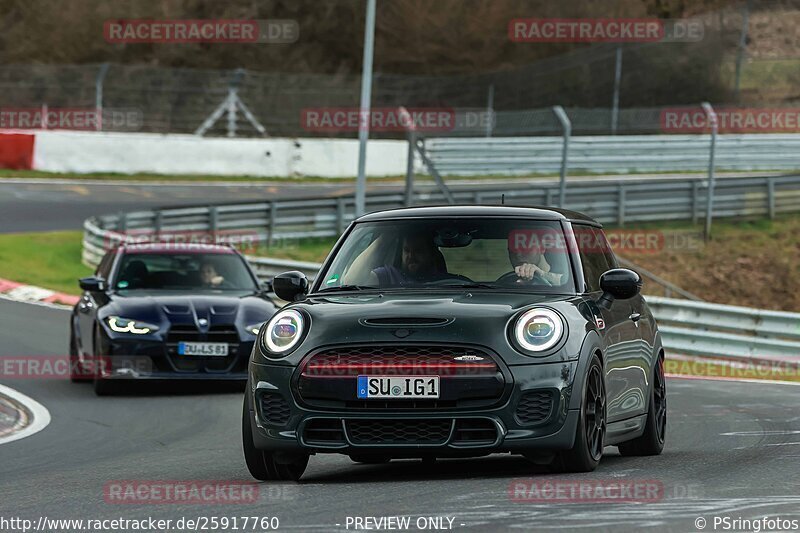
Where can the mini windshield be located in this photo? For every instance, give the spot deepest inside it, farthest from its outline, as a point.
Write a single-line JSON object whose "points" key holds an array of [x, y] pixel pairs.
{"points": [[191, 271], [479, 253]]}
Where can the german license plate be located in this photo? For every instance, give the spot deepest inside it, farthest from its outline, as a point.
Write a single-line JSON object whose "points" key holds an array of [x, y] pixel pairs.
{"points": [[398, 387], [203, 349]]}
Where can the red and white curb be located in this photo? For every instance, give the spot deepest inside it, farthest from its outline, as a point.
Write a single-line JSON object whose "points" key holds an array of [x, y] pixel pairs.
{"points": [[26, 415], [19, 292]]}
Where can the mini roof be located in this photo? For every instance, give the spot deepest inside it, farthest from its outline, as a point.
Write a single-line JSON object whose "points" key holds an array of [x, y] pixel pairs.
{"points": [[542, 213]]}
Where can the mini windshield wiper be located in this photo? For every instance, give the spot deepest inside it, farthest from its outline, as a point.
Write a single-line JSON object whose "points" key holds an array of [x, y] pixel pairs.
{"points": [[347, 288], [465, 285]]}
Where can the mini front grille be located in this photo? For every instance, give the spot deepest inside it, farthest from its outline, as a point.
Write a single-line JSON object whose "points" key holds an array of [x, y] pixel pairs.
{"points": [[274, 408], [474, 432], [324, 432], [534, 406], [400, 360], [400, 431]]}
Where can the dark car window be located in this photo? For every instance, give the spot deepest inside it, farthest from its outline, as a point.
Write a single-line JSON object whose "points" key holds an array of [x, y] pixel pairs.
{"points": [[452, 252], [173, 271], [596, 254]]}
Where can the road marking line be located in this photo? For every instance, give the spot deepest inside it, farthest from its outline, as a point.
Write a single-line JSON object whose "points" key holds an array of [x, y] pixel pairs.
{"points": [[741, 380], [40, 415]]}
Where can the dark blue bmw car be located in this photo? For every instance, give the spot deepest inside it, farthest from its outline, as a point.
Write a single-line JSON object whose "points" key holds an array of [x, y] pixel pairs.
{"points": [[166, 311]]}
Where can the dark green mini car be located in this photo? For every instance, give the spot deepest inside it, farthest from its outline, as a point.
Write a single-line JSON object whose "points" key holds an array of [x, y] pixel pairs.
{"points": [[458, 331]]}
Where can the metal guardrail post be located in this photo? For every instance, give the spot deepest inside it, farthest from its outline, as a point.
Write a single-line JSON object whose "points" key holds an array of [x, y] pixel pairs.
{"points": [[448, 195], [771, 198], [712, 119], [122, 222], [157, 223], [213, 221], [621, 205], [566, 126], [273, 208], [340, 214], [695, 200]]}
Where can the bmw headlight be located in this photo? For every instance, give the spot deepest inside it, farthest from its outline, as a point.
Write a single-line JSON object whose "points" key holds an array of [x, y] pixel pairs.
{"points": [[283, 332], [538, 330], [126, 325]]}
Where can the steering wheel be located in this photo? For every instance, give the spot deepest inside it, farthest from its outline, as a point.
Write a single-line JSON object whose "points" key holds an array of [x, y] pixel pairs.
{"points": [[511, 277]]}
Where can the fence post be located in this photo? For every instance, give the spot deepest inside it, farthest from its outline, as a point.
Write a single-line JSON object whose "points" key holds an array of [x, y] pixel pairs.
{"points": [[490, 110], [771, 197], [621, 205], [615, 98], [98, 95], [409, 197], [712, 120], [566, 126]]}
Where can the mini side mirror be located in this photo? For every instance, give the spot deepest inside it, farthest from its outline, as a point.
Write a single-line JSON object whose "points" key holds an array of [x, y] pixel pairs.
{"points": [[619, 283], [92, 284], [290, 286]]}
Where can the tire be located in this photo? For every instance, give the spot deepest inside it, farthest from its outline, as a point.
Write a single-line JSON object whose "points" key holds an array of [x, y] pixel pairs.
{"points": [[102, 387], [262, 464], [655, 430], [370, 459], [77, 374], [587, 450]]}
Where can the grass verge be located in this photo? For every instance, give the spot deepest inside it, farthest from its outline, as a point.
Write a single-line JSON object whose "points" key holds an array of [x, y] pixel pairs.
{"points": [[51, 259]]}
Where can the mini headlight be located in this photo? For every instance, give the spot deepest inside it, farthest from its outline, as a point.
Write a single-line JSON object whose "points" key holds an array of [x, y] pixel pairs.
{"points": [[283, 332], [126, 325], [254, 328], [538, 330]]}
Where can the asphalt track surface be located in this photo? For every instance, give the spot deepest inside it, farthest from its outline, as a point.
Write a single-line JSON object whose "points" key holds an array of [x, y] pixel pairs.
{"points": [[733, 449]]}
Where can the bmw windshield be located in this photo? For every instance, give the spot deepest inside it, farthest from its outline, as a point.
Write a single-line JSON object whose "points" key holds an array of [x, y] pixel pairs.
{"points": [[472, 253]]}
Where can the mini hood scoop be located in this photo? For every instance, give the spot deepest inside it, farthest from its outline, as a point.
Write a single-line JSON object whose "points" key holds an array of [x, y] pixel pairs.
{"points": [[406, 321]]}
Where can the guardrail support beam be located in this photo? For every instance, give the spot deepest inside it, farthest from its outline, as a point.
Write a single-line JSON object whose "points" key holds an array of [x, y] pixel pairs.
{"points": [[566, 126], [771, 198]]}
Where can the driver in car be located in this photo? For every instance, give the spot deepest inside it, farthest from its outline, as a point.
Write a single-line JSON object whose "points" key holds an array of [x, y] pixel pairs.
{"points": [[529, 263], [209, 275], [418, 263]]}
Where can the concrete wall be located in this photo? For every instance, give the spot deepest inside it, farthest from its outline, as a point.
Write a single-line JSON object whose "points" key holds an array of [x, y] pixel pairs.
{"points": [[127, 153]]}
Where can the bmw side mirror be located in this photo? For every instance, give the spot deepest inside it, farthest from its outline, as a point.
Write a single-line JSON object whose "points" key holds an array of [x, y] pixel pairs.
{"points": [[619, 283], [290, 286], [92, 284]]}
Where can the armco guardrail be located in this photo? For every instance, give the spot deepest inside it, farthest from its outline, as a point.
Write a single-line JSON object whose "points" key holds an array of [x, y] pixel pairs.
{"points": [[726, 331], [616, 202], [476, 156]]}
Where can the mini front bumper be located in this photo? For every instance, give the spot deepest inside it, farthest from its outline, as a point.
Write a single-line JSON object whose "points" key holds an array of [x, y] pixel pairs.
{"points": [[294, 426]]}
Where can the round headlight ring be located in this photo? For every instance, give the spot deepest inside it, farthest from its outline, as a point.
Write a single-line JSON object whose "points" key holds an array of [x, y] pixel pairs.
{"points": [[283, 332], [538, 324]]}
